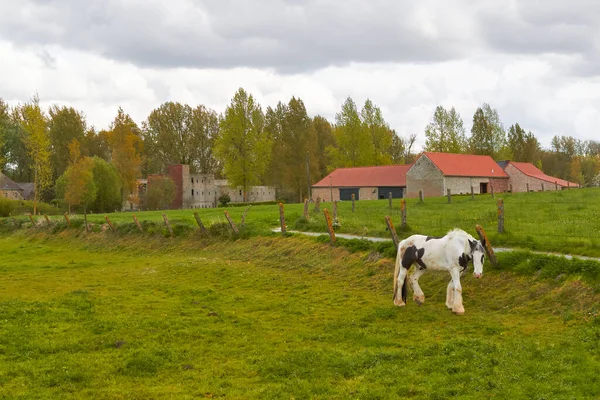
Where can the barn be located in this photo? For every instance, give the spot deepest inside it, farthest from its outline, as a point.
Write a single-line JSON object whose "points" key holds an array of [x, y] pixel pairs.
{"points": [[434, 173], [366, 183], [526, 176]]}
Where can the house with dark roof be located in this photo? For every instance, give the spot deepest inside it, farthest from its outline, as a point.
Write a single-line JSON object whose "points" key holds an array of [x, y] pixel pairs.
{"points": [[366, 183], [435, 173], [9, 189], [527, 177]]}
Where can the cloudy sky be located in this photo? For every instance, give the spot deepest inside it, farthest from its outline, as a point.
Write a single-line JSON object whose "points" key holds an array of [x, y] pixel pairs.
{"points": [[536, 62]]}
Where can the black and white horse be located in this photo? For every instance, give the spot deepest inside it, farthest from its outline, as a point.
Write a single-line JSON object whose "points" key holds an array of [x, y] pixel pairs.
{"points": [[450, 253]]}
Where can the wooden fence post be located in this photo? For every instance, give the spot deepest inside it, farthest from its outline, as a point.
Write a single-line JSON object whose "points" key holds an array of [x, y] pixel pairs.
{"points": [[31, 219], [68, 220], [168, 224], [110, 224], [199, 222], [244, 215], [47, 219], [488, 247], [329, 226], [235, 229], [472, 193], [542, 187], [492, 188], [403, 212], [500, 216], [137, 223], [390, 199], [390, 226], [528, 187], [306, 208], [334, 210], [421, 197], [318, 204], [282, 219], [556, 185], [449, 194], [353, 202], [511, 190]]}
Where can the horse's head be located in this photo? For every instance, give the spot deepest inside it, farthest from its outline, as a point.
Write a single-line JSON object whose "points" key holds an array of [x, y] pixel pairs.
{"points": [[478, 256]]}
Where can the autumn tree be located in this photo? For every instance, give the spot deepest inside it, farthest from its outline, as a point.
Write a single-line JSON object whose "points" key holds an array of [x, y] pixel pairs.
{"points": [[160, 193], [126, 146], [176, 133], [446, 133], [487, 134], [80, 188], [66, 124], [242, 146], [96, 144], [36, 139]]}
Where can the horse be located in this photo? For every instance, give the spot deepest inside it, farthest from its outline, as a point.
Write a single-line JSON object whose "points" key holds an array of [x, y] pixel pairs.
{"points": [[450, 253]]}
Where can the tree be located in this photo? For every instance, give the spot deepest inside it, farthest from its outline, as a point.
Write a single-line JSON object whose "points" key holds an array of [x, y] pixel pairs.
{"points": [[324, 134], [96, 144], [242, 146], [446, 133], [126, 145], [354, 147], [176, 133], [487, 134], [402, 149], [4, 126], [379, 132], [37, 142], [108, 185], [80, 188], [66, 124], [160, 192]]}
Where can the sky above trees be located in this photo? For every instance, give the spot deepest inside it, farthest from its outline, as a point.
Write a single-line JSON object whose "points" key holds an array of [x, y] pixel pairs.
{"points": [[536, 63]]}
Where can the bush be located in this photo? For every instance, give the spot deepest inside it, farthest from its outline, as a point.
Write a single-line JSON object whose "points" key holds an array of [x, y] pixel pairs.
{"points": [[224, 199], [220, 229], [7, 207]]}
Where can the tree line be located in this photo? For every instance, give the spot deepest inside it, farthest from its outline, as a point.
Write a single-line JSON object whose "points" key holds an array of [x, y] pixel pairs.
{"points": [[280, 146]]}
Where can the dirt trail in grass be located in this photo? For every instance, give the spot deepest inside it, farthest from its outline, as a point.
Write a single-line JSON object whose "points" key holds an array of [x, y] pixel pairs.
{"points": [[496, 249]]}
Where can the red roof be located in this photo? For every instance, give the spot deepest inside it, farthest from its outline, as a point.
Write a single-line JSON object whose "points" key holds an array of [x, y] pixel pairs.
{"points": [[466, 165], [386, 175], [532, 171]]}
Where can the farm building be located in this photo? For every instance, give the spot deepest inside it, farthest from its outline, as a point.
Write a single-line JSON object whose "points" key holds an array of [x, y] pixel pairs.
{"points": [[366, 183], [434, 173], [524, 176], [10, 189]]}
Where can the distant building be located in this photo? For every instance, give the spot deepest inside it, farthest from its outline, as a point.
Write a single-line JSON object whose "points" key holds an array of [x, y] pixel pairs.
{"points": [[366, 183], [10, 189], [524, 175]]}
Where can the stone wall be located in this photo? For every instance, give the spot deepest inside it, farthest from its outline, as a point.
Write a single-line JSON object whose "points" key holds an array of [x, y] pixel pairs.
{"points": [[425, 176], [519, 181]]}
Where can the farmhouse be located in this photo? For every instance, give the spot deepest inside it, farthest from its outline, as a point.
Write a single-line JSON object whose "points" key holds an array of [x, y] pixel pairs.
{"points": [[434, 173], [10, 189], [526, 176], [366, 183]]}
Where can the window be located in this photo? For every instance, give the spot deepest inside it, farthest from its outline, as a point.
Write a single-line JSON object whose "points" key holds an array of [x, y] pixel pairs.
{"points": [[240, 192], [192, 192], [192, 181]]}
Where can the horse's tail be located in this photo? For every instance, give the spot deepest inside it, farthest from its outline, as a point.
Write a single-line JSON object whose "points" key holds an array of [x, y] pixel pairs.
{"points": [[404, 288], [397, 271]]}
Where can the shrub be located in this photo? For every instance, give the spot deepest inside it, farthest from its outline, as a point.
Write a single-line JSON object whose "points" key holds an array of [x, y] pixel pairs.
{"points": [[224, 199]]}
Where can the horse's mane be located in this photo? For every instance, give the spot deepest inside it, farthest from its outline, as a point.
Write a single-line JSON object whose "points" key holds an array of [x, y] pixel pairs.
{"points": [[459, 233]]}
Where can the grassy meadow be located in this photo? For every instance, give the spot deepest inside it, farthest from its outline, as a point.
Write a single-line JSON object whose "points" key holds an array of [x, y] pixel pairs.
{"points": [[143, 317], [567, 221]]}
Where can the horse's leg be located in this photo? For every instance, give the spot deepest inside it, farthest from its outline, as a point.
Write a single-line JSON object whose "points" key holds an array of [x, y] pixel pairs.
{"points": [[450, 295], [457, 304], [400, 283], [418, 295]]}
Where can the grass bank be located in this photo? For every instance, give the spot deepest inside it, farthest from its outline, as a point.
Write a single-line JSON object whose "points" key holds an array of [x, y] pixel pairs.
{"points": [[270, 317]]}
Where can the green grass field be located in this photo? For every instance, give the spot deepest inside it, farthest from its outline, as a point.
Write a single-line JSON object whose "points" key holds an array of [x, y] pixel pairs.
{"points": [[142, 317], [567, 221]]}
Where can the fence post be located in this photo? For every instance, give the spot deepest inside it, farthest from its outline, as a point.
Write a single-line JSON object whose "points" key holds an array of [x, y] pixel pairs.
{"points": [[199, 222], [472, 193], [488, 247], [449, 194], [235, 229], [390, 226], [31, 219], [528, 187], [282, 219], [318, 204], [137, 223], [244, 215], [306, 208], [329, 226], [353, 202], [47, 219], [168, 224], [500, 216], [421, 197], [492, 188], [403, 212], [511, 190], [335, 210], [390, 199], [110, 224], [556, 185], [68, 220], [542, 187]]}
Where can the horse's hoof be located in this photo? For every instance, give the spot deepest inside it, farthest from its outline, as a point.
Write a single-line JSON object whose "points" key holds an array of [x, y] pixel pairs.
{"points": [[459, 312], [399, 303], [419, 300]]}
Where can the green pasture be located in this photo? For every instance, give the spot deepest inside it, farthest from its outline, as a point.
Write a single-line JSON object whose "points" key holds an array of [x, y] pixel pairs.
{"points": [[567, 221], [140, 317]]}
